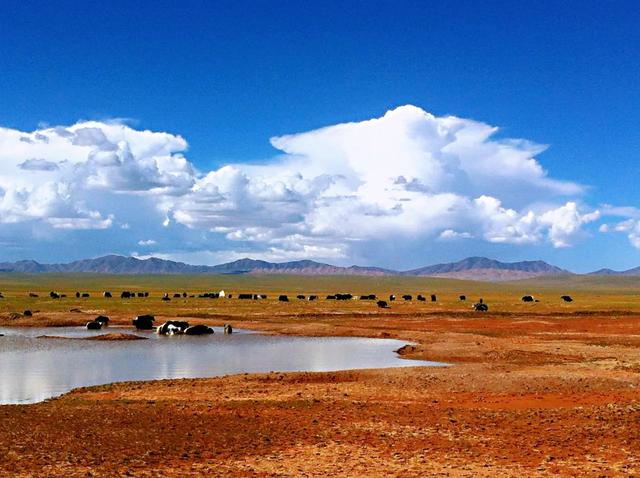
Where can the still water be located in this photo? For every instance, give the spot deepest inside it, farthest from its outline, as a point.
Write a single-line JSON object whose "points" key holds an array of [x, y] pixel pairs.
{"points": [[34, 369]]}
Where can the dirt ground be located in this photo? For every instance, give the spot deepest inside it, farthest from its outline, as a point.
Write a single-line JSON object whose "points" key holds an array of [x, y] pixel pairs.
{"points": [[528, 394]]}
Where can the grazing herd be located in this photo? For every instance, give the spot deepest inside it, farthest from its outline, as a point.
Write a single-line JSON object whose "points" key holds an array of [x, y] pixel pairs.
{"points": [[145, 322]]}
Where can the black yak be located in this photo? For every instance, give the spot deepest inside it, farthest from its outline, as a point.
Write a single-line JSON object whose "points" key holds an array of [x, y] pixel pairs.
{"points": [[199, 329], [144, 322]]}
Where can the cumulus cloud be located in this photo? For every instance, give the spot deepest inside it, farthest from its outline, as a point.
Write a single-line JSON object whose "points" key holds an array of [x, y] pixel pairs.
{"points": [[405, 177], [51, 174], [406, 174], [629, 227], [146, 242]]}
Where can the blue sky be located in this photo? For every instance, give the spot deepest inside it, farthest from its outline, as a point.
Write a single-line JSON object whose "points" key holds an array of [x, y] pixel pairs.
{"points": [[228, 76]]}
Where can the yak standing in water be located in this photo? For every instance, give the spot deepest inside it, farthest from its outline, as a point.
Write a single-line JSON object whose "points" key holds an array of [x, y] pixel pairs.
{"points": [[173, 327], [199, 329], [144, 322]]}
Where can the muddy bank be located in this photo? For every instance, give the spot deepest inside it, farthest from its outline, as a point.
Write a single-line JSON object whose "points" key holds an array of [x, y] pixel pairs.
{"points": [[105, 337]]}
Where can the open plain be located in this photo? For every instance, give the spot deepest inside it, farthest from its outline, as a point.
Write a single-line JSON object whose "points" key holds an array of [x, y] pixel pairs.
{"points": [[535, 389]]}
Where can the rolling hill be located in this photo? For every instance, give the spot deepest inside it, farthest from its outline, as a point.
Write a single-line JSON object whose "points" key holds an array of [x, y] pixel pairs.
{"points": [[610, 272]]}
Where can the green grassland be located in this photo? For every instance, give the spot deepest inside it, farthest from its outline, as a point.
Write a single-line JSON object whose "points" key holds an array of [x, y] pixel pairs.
{"points": [[616, 294]]}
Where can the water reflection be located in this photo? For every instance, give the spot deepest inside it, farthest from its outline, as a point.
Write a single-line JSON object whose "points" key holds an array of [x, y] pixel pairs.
{"points": [[33, 369]]}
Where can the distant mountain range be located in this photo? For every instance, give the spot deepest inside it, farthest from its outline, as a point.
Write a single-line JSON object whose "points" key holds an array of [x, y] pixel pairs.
{"points": [[473, 268], [610, 272]]}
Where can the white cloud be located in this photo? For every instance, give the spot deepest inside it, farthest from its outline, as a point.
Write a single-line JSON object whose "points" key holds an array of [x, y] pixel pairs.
{"points": [[49, 174], [448, 234], [336, 192], [630, 227], [406, 174], [147, 242]]}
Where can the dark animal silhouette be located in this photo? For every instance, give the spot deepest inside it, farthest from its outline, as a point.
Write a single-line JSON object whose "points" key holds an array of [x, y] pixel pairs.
{"points": [[382, 304], [107, 295], [27, 313], [54, 295], [228, 329], [463, 297], [102, 319], [144, 322], [283, 298], [480, 306], [85, 295], [407, 297], [125, 294], [368, 297], [527, 298], [199, 329], [245, 296], [313, 297], [32, 294], [300, 297], [166, 297], [433, 298], [567, 298], [420, 298], [94, 325], [392, 297]]}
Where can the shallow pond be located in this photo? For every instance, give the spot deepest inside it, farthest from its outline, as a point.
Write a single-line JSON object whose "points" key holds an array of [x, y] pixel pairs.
{"points": [[34, 369]]}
